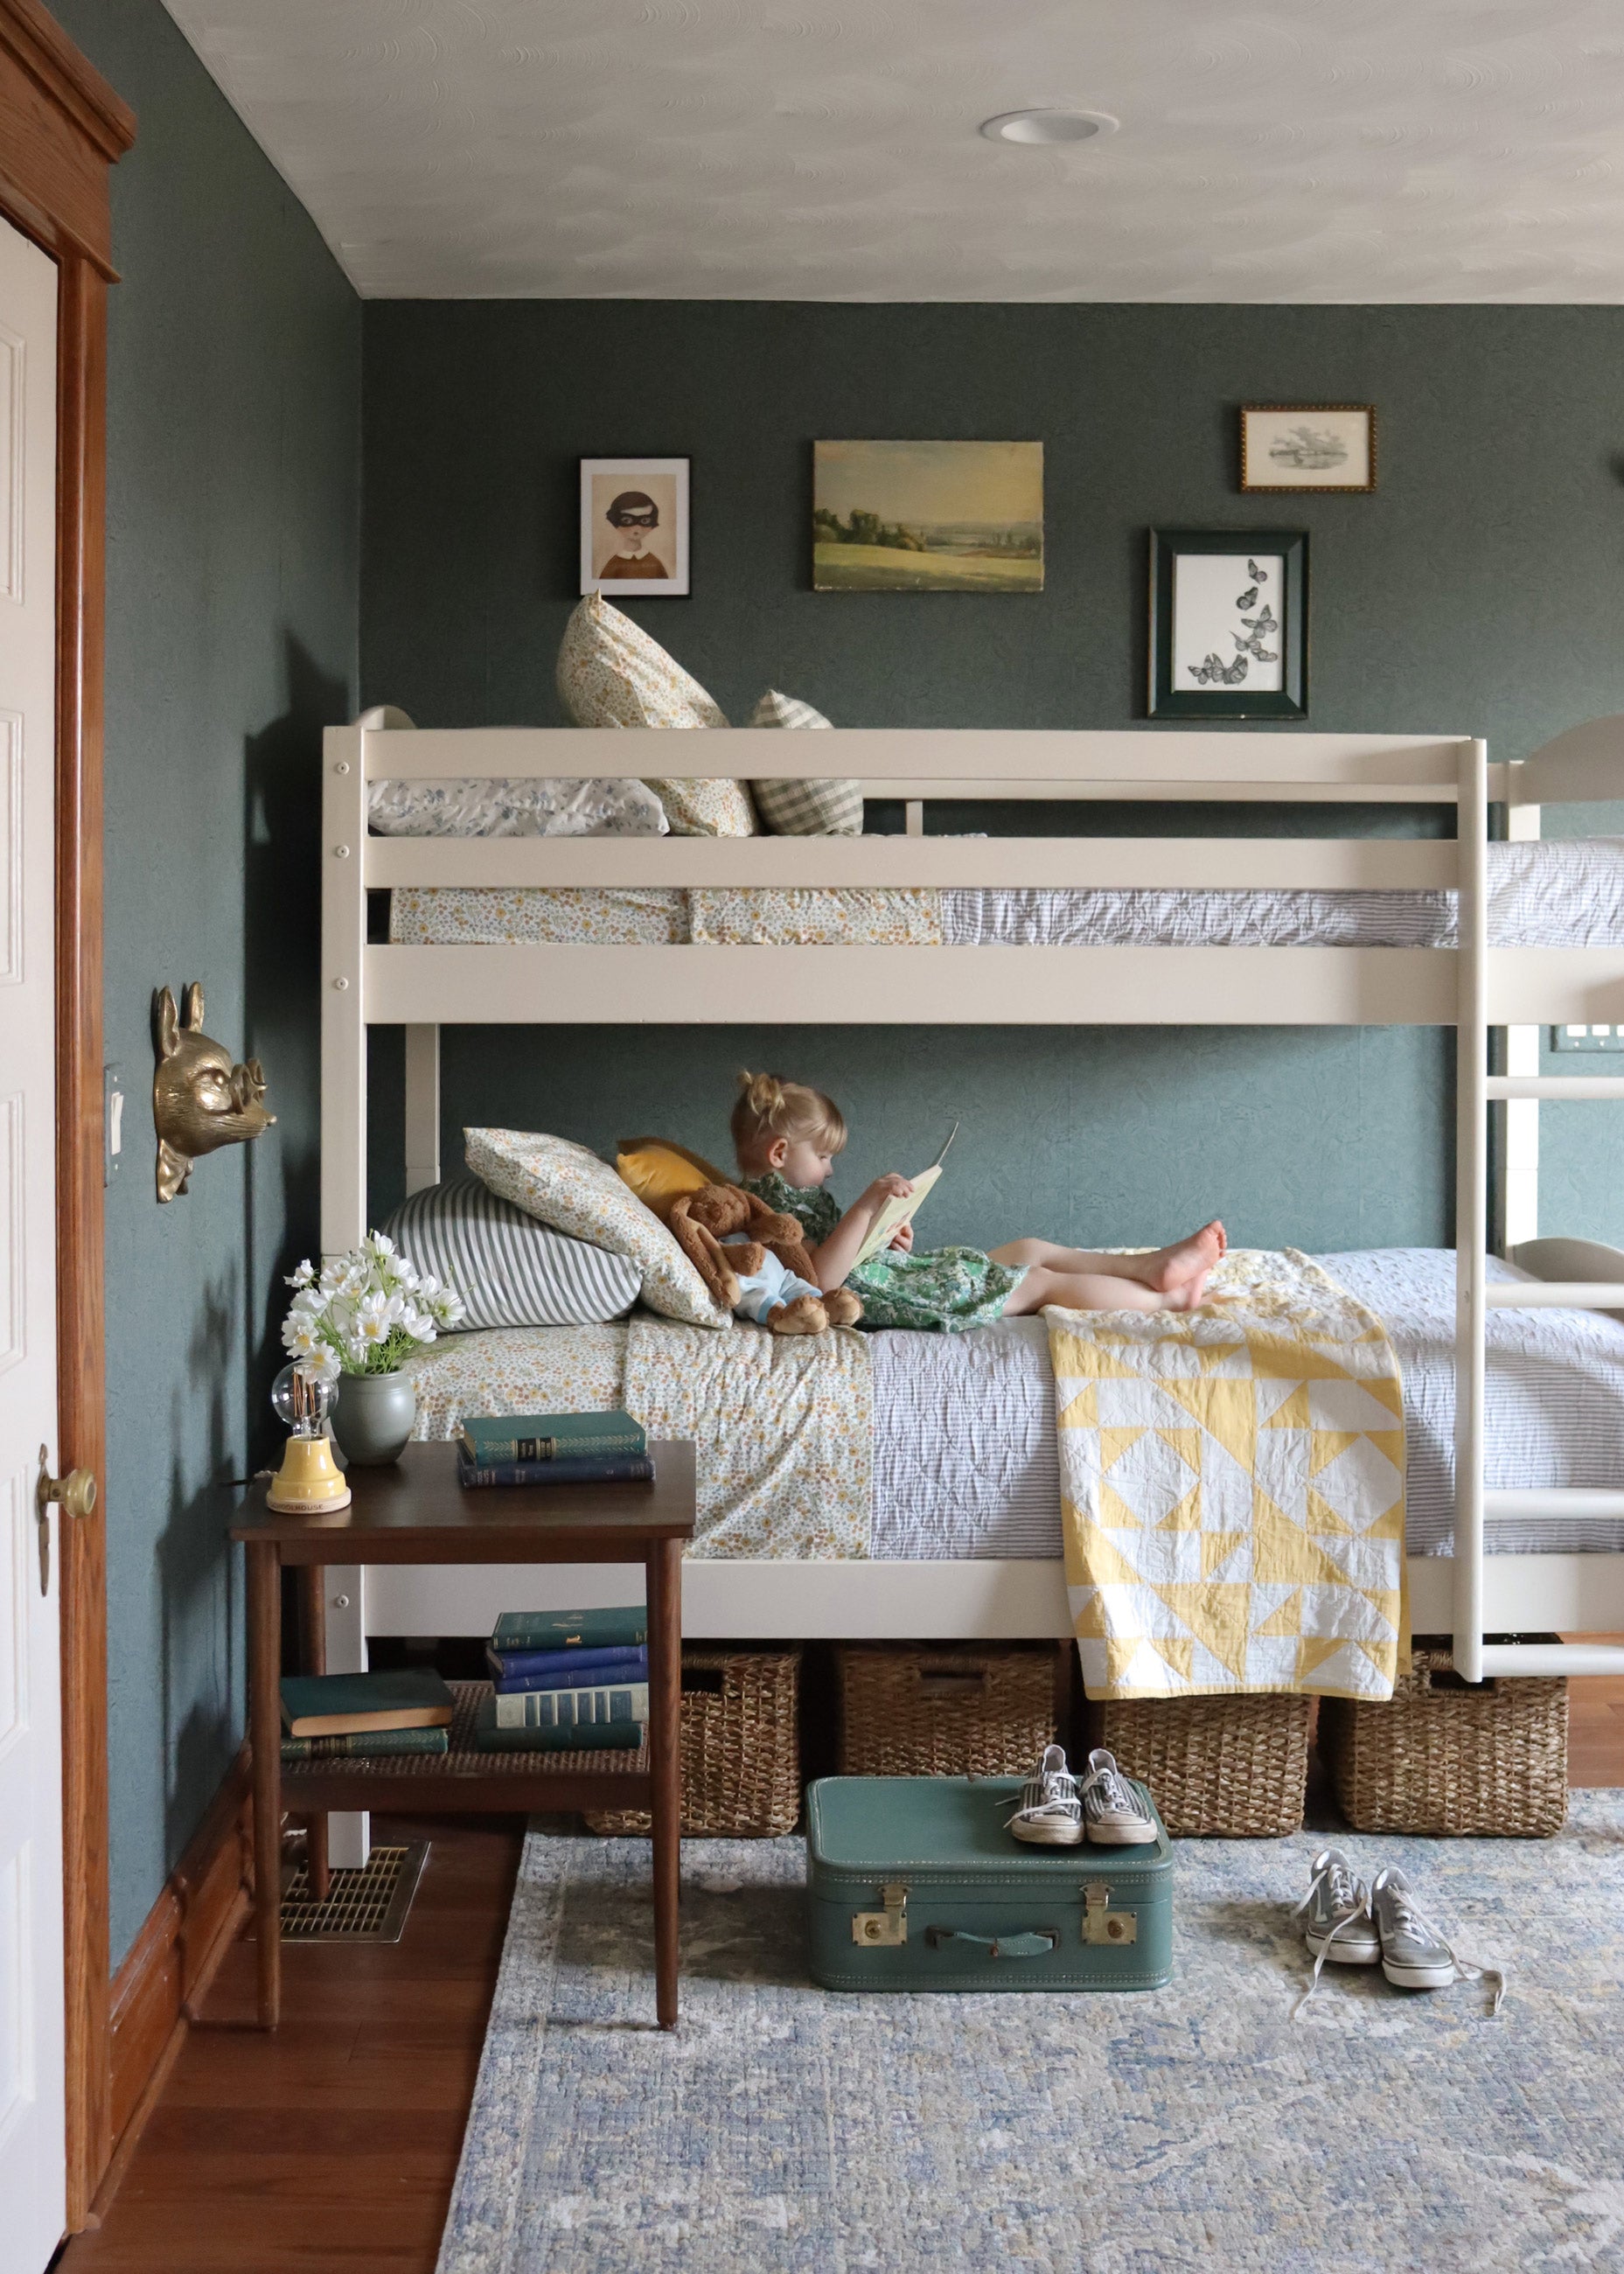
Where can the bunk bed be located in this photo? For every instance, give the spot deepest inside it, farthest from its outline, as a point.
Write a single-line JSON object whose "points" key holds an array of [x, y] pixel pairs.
{"points": [[1456, 977]]}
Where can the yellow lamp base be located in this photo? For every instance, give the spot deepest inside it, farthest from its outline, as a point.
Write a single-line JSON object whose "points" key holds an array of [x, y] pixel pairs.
{"points": [[308, 1482]]}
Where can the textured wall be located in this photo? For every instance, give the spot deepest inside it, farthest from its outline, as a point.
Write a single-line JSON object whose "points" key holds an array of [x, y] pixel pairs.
{"points": [[232, 570], [1476, 591]]}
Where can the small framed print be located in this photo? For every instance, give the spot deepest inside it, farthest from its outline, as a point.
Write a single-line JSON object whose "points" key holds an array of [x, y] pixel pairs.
{"points": [[1228, 623], [634, 527], [1308, 446]]}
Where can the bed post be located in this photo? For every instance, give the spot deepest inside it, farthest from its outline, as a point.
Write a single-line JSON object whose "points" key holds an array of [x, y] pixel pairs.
{"points": [[344, 1135], [1517, 1210], [1471, 1200], [422, 1108]]}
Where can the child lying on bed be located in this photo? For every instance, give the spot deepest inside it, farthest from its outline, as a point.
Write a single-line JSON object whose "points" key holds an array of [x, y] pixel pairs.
{"points": [[786, 1137]]}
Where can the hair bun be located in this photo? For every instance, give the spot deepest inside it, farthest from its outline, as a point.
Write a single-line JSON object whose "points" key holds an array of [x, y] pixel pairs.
{"points": [[763, 1093]]}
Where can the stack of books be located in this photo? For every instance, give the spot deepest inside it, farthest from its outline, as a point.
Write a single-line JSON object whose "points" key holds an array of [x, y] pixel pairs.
{"points": [[338, 1716], [552, 1448], [566, 1681]]}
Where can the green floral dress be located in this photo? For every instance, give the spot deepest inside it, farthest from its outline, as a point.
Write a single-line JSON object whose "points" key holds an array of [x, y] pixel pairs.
{"points": [[939, 1292]]}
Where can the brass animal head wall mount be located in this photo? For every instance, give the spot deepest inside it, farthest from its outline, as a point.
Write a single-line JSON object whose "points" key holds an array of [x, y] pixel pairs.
{"points": [[200, 1099]]}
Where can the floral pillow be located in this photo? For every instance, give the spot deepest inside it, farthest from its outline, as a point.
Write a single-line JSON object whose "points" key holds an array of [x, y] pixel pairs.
{"points": [[803, 809], [564, 1186], [610, 674]]}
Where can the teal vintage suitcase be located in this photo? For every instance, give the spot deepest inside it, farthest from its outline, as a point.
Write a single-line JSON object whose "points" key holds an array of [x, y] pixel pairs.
{"points": [[914, 1884]]}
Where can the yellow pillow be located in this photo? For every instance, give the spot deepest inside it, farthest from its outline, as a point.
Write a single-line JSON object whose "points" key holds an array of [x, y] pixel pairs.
{"points": [[660, 1173]]}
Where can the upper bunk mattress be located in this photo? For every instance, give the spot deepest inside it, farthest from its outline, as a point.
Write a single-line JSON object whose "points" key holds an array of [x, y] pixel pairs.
{"points": [[1549, 893]]}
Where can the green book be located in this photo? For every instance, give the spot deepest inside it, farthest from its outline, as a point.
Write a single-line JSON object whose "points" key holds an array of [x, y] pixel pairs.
{"points": [[608, 1630], [595, 1737], [338, 1704], [551, 1436], [363, 1744]]}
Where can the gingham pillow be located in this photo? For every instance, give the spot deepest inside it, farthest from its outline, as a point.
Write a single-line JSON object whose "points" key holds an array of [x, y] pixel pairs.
{"points": [[610, 674], [803, 809], [564, 1186]]}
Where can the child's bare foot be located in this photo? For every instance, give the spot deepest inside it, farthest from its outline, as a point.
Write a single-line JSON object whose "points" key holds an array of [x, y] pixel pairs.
{"points": [[1189, 1294], [1173, 1266]]}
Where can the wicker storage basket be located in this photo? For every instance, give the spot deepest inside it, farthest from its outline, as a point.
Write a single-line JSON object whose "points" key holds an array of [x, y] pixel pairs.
{"points": [[1440, 1757], [740, 1748], [1225, 1767], [911, 1710]]}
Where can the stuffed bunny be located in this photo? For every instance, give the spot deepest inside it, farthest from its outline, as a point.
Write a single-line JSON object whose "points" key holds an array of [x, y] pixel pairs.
{"points": [[728, 1235]]}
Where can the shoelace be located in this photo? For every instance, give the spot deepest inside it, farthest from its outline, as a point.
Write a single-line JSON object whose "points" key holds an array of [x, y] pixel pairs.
{"points": [[1410, 1920], [1118, 1791], [1057, 1802], [1347, 1894]]}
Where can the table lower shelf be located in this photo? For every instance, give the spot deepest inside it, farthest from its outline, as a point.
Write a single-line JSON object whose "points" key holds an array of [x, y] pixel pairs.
{"points": [[465, 1779]]}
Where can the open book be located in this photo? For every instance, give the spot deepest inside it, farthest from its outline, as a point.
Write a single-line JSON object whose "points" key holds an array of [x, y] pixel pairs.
{"points": [[898, 1212]]}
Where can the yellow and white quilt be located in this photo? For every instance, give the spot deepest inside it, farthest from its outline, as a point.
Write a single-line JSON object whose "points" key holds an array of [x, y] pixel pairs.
{"points": [[1232, 1489]]}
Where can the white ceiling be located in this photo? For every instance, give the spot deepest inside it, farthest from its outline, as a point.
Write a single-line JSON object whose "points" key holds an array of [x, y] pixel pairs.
{"points": [[1330, 150]]}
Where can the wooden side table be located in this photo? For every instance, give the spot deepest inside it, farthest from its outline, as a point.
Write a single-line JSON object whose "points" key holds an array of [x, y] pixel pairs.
{"points": [[414, 1511]]}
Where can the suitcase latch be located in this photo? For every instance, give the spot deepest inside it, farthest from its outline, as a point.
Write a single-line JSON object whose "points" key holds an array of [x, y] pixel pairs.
{"points": [[1100, 1924], [884, 1929]]}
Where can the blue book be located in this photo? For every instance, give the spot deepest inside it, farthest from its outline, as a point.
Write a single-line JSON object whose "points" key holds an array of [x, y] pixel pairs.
{"points": [[563, 1669], [477, 1475]]}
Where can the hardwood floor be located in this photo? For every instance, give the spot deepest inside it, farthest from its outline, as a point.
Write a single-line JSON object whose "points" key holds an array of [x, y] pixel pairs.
{"points": [[332, 2145], [330, 2148]]}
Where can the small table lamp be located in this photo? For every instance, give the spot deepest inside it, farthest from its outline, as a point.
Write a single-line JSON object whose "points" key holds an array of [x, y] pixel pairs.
{"points": [[308, 1482]]}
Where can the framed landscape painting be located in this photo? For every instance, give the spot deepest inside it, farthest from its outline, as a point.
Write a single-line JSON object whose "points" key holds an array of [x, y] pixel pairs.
{"points": [[927, 516], [1228, 623], [1308, 446]]}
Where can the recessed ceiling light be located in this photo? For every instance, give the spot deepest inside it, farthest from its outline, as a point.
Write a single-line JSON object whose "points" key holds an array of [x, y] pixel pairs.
{"points": [[1049, 126]]}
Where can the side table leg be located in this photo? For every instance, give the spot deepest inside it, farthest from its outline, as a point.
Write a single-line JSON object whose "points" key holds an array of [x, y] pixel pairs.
{"points": [[314, 1649], [265, 1737], [665, 1584]]}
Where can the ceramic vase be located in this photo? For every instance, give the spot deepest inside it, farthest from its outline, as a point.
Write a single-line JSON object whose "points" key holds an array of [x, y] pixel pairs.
{"points": [[372, 1416]]}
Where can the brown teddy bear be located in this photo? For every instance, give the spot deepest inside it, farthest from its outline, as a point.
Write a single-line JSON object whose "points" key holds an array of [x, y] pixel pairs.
{"points": [[703, 1220]]}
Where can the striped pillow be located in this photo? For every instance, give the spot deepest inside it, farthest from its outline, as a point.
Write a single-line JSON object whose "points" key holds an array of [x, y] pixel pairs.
{"points": [[509, 1270], [803, 809]]}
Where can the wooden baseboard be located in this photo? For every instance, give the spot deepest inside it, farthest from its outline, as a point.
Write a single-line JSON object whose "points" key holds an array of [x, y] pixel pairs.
{"points": [[172, 1961]]}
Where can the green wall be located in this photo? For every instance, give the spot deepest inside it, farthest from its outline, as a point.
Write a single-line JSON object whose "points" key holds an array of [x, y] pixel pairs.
{"points": [[1476, 591], [232, 572]]}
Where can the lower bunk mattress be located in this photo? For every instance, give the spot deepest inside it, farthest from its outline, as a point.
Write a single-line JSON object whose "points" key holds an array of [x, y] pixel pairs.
{"points": [[959, 1460]]}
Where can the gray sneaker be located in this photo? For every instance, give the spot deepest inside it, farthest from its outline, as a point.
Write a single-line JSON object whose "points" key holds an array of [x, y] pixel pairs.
{"points": [[1338, 1925], [1049, 1810], [1112, 1809], [1416, 1954]]}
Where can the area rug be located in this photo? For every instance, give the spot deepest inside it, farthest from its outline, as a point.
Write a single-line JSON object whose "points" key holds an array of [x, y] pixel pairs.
{"points": [[783, 2126]]}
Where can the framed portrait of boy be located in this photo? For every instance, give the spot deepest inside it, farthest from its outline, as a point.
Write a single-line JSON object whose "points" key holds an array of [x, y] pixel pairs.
{"points": [[634, 527]]}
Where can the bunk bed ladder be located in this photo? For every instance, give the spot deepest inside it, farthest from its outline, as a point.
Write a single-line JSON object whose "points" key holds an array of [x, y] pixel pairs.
{"points": [[1476, 1088]]}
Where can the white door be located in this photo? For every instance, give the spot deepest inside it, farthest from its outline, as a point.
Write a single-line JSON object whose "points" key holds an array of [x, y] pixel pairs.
{"points": [[33, 2157]]}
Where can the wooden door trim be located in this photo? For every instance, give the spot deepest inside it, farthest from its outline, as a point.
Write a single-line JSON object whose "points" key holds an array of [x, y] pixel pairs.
{"points": [[61, 128]]}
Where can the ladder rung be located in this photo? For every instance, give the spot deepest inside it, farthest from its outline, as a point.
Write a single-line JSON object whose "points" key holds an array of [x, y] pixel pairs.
{"points": [[1552, 1504], [1555, 1295], [1555, 1085], [1553, 1658]]}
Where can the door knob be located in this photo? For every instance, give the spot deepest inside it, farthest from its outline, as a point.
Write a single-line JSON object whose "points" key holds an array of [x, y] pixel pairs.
{"points": [[75, 1494]]}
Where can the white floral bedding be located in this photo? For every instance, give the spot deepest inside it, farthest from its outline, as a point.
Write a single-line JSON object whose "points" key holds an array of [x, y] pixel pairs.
{"points": [[1551, 894]]}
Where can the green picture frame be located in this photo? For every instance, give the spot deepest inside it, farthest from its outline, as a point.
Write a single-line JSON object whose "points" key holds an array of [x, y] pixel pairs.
{"points": [[1218, 652]]}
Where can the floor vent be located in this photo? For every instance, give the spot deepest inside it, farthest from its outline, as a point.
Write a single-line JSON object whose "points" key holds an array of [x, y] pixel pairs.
{"points": [[366, 1906]]}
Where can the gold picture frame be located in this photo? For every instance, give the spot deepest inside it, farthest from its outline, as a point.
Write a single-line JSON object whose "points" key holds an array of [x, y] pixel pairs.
{"points": [[1290, 447]]}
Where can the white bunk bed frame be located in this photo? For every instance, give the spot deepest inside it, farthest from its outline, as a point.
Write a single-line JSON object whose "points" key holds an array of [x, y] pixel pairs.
{"points": [[1472, 987]]}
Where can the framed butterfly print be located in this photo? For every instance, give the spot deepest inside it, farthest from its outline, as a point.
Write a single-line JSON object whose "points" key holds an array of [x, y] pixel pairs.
{"points": [[1228, 623]]}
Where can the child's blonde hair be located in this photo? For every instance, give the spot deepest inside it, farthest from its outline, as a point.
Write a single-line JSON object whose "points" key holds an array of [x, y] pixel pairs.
{"points": [[768, 1106]]}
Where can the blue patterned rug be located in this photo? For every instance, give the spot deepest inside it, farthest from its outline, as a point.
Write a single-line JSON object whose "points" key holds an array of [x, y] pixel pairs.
{"points": [[784, 2127]]}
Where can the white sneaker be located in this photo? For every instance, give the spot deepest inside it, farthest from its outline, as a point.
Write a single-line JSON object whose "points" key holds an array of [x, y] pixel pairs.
{"points": [[1049, 1811], [1416, 1954], [1112, 1809]]}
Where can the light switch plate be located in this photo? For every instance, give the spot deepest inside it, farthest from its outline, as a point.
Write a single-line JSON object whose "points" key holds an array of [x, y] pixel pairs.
{"points": [[112, 1122], [1587, 1038]]}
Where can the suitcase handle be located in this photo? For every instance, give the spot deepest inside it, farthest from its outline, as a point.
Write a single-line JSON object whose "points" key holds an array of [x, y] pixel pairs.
{"points": [[1038, 1944]]}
